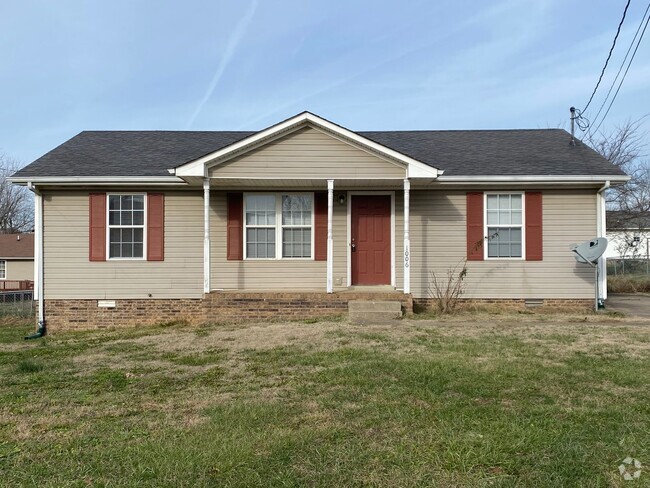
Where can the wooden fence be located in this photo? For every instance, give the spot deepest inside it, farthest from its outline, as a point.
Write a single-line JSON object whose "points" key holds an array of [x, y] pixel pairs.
{"points": [[16, 285]]}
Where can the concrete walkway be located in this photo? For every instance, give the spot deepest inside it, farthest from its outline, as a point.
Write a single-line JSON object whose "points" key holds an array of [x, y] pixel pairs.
{"points": [[631, 304]]}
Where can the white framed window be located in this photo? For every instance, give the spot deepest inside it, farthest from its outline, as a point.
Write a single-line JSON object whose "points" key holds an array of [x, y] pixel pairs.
{"points": [[126, 225], [259, 217], [3, 269], [278, 225], [504, 225]]}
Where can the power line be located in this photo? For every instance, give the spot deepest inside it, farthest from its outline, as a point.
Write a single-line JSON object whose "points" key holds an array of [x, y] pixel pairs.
{"points": [[624, 75], [611, 50], [622, 64]]}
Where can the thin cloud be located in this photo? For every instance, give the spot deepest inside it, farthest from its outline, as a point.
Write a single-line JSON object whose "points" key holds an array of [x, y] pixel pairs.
{"points": [[231, 47], [491, 12]]}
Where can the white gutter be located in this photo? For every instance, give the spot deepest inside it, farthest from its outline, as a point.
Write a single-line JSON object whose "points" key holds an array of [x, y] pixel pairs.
{"points": [[533, 179], [38, 254], [102, 180], [601, 230]]}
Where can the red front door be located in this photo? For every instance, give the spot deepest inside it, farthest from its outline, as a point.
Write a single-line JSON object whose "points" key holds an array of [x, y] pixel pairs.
{"points": [[370, 239]]}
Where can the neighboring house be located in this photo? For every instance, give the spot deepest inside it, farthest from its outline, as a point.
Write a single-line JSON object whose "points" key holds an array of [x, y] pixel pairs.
{"points": [[299, 218], [628, 234], [16, 261]]}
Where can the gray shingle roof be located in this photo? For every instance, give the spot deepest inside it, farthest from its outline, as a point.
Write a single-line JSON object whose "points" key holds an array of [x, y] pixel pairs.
{"points": [[458, 153], [626, 220]]}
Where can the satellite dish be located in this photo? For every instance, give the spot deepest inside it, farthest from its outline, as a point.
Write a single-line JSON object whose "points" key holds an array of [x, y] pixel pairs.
{"points": [[589, 251]]}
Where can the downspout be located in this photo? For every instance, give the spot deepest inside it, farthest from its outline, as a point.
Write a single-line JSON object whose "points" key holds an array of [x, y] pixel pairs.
{"points": [[601, 208], [38, 254]]}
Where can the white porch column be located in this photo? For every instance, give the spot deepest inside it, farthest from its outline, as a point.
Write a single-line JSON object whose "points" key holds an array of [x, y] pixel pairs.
{"points": [[407, 237], [206, 235], [330, 237]]}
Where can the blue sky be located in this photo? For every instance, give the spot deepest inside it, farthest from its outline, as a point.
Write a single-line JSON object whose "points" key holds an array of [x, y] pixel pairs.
{"points": [[69, 66]]}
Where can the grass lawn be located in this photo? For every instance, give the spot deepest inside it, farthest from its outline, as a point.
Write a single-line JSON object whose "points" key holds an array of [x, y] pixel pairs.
{"points": [[479, 401]]}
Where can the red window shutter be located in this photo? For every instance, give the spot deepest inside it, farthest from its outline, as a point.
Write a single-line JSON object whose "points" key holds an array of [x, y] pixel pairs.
{"points": [[97, 231], [475, 237], [534, 236], [320, 226], [155, 227], [235, 227]]}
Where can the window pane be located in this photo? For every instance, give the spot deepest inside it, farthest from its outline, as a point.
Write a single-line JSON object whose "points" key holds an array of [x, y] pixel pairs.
{"points": [[138, 217], [516, 216], [127, 235], [127, 250], [113, 202], [113, 218], [516, 202], [251, 250], [504, 202], [260, 209], [296, 243], [296, 209], [504, 242], [492, 201], [504, 217], [492, 249], [138, 202], [127, 202], [114, 250], [127, 217], [260, 243], [492, 217], [115, 235], [138, 251]]}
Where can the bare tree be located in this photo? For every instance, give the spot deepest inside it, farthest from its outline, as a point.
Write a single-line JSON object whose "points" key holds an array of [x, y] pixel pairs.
{"points": [[625, 147], [16, 204]]}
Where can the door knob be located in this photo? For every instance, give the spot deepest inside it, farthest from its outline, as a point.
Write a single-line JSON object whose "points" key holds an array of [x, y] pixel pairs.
{"points": [[353, 246]]}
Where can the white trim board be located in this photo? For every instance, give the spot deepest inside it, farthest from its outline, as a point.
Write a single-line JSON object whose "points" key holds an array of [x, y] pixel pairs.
{"points": [[145, 226], [349, 196], [522, 226]]}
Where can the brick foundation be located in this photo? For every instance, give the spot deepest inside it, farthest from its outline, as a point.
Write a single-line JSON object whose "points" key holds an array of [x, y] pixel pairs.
{"points": [[86, 314], [510, 303], [213, 307], [239, 307]]}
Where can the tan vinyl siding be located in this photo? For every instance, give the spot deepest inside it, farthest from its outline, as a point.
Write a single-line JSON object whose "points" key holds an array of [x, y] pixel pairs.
{"points": [[438, 240], [20, 269], [251, 274], [308, 153], [69, 273]]}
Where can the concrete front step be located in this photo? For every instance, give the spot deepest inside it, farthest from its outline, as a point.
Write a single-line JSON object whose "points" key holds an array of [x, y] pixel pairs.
{"points": [[374, 311]]}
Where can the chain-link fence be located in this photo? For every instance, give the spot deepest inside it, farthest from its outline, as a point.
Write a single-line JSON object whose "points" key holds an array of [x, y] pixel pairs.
{"points": [[628, 266], [17, 303]]}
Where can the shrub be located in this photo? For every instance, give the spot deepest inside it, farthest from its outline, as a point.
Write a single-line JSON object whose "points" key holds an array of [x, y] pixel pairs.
{"points": [[628, 284], [446, 289]]}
